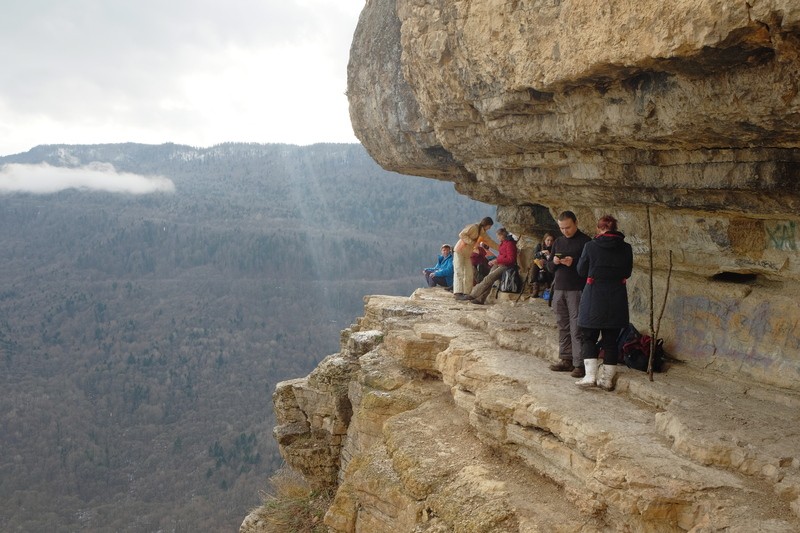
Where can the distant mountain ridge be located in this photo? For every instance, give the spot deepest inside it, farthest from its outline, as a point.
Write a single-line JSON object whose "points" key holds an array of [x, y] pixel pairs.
{"points": [[137, 154]]}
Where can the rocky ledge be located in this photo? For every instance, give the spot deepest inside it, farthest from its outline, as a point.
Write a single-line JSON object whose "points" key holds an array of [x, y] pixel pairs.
{"points": [[441, 416], [682, 119]]}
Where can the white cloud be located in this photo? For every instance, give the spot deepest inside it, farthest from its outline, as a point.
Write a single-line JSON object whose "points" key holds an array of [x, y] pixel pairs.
{"points": [[46, 179], [197, 72]]}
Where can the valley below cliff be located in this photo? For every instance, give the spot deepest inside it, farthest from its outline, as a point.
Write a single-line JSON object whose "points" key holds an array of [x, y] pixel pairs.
{"points": [[142, 335]]}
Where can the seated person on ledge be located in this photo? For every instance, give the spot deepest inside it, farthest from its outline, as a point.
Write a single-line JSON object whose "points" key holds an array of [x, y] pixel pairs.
{"points": [[542, 278], [442, 274], [504, 261]]}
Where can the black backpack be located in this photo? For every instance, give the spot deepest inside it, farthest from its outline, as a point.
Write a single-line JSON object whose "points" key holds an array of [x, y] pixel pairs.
{"points": [[634, 349], [627, 334], [510, 281]]}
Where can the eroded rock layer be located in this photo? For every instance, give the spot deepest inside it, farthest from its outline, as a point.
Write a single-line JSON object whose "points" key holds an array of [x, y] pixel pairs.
{"points": [[689, 111], [451, 421]]}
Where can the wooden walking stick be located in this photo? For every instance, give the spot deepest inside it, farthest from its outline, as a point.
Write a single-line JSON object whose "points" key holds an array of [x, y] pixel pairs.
{"points": [[525, 283], [655, 328], [652, 327]]}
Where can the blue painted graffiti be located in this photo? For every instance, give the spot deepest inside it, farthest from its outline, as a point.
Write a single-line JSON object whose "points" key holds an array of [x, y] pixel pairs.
{"points": [[783, 236]]}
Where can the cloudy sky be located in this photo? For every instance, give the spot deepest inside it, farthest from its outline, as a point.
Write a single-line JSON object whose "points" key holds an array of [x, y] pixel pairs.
{"points": [[196, 72]]}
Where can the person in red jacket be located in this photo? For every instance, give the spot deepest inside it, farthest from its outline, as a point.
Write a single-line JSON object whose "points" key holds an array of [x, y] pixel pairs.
{"points": [[504, 261], [607, 263]]}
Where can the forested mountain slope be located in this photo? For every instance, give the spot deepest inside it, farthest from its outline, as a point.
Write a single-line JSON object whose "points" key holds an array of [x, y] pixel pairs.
{"points": [[141, 336]]}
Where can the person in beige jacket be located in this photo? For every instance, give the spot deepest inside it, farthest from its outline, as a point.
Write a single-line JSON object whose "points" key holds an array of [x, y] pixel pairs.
{"points": [[467, 239]]}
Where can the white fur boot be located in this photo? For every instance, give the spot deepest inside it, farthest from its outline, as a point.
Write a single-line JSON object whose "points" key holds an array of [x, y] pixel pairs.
{"points": [[591, 373], [605, 379]]}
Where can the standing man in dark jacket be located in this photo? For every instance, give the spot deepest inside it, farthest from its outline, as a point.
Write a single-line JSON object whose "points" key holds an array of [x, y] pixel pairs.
{"points": [[608, 263], [567, 287]]}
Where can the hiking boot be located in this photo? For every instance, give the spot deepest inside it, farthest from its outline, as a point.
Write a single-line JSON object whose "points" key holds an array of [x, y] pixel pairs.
{"points": [[605, 377], [579, 372], [590, 376], [536, 291], [563, 365]]}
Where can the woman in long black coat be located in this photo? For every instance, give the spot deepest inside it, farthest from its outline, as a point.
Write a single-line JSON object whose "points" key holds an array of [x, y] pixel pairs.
{"points": [[606, 263]]}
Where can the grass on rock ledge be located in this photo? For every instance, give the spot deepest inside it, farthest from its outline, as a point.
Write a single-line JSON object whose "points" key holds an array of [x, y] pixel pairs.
{"points": [[291, 505]]}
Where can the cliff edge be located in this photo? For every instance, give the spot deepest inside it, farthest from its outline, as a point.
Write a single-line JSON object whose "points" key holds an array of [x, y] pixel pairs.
{"points": [[439, 416], [682, 120]]}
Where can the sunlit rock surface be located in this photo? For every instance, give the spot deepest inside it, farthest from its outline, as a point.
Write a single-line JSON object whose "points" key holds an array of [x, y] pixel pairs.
{"points": [[455, 423], [690, 109]]}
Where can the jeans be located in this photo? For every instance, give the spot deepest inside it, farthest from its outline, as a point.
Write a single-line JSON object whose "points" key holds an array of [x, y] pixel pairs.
{"points": [[434, 281]]}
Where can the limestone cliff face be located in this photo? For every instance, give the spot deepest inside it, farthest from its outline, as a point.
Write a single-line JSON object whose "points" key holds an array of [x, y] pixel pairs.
{"points": [[440, 416], [688, 109], [682, 119]]}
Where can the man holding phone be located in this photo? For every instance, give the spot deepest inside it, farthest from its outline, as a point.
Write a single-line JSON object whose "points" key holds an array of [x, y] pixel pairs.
{"points": [[567, 287]]}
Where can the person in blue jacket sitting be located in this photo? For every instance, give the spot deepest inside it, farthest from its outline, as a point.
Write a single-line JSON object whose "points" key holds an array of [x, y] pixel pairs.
{"points": [[442, 274]]}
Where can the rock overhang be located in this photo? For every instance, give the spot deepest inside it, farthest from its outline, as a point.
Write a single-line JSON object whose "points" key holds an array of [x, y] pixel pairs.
{"points": [[681, 119], [683, 106]]}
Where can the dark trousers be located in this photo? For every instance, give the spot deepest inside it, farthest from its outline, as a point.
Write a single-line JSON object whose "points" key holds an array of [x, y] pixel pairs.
{"points": [[570, 345], [608, 343], [481, 271], [434, 281]]}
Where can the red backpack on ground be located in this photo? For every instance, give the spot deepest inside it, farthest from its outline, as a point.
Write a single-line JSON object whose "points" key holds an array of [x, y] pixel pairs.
{"points": [[634, 349]]}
